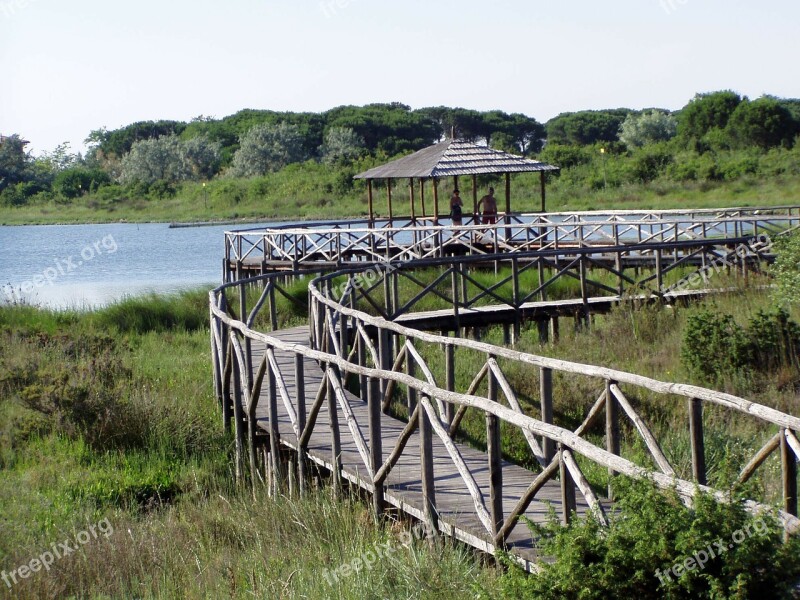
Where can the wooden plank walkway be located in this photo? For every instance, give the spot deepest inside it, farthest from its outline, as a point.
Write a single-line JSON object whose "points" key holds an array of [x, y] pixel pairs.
{"points": [[457, 516]]}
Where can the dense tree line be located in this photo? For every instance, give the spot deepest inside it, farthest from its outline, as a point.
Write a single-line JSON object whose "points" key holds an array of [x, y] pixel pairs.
{"points": [[697, 142]]}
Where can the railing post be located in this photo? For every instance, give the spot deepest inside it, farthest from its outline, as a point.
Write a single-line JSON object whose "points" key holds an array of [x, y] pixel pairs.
{"points": [[375, 440], [516, 300], [274, 432], [659, 272], [495, 461], [384, 356], [363, 383], [333, 422], [698, 443], [540, 269], [302, 450], [410, 371], [273, 308], [546, 400], [612, 430], [238, 417], [789, 475], [454, 290], [584, 292], [450, 378], [426, 472], [247, 346], [568, 503]]}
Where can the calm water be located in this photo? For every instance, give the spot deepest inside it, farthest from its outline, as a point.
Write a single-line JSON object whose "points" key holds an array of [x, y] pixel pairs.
{"points": [[91, 265]]}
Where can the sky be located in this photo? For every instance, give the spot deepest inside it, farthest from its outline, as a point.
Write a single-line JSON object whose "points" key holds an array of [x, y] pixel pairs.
{"points": [[70, 67]]}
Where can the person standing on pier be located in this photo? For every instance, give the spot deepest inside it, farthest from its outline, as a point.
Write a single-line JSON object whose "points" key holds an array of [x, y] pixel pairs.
{"points": [[489, 204], [456, 207]]}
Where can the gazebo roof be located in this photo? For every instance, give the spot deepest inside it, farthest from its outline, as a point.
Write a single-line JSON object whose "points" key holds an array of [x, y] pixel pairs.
{"points": [[455, 157]]}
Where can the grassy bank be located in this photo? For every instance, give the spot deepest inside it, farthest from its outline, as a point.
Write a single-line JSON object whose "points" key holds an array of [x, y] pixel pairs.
{"points": [[110, 441], [313, 191], [107, 421]]}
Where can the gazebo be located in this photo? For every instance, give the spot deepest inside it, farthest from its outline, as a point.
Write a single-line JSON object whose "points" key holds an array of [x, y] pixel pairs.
{"points": [[451, 158]]}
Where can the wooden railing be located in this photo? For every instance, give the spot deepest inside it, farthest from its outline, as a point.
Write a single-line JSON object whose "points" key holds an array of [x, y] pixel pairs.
{"points": [[384, 357], [406, 239]]}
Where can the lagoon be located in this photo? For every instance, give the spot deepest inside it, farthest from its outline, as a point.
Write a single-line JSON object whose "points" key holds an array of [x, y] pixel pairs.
{"points": [[87, 266]]}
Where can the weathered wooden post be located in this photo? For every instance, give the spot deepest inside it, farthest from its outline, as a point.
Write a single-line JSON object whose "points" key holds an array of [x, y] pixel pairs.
{"points": [[410, 371], [495, 460], [238, 417], [612, 430], [546, 400], [698, 443], [375, 441], [426, 470], [789, 475], [568, 503], [274, 432], [450, 378], [302, 449]]}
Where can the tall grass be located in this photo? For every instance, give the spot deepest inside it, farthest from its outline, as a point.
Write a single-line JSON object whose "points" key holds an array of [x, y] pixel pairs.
{"points": [[110, 415]]}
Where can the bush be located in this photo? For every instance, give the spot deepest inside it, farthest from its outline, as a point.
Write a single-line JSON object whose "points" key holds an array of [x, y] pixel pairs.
{"points": [[787, 268], [715, 346], [73, 182], [651, 531], [650, 162]]}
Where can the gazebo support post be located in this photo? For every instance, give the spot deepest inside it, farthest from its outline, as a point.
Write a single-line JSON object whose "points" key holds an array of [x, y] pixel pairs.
{"points": [[475, 199], [544, 196], [411, 199], [508, 206], [435, 201], [389, 198], [369, 198], [422, 195]]}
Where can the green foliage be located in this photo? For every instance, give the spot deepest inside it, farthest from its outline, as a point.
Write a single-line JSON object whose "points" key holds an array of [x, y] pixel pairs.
{"points": [[267, 148], [586, 127], [651, 161], [388, 128], [73, 182], [762, 123], [786, 268], [651, 532], [647, 128], [715, 347], [15, 163], [342, 146], [73, 381], [121, 141], [187, 311], [168, 159], [707, 112]]}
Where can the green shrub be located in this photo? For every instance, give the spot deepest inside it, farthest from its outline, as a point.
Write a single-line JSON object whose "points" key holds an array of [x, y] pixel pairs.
{"points": [[786, 269], [714, 346], [651, 532]]}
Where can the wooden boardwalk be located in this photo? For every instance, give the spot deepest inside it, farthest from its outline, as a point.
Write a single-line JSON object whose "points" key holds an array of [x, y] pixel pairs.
{"points": [[403, 488]]}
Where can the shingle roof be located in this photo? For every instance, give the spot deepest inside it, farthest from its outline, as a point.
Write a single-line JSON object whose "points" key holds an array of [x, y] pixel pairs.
{"points": [[455, 157]]}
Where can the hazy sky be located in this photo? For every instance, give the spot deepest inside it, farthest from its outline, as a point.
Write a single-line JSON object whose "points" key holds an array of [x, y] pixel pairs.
{"points": [[68, 67]]}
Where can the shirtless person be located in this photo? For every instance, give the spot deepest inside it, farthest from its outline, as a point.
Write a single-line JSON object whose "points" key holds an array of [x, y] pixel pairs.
{"points": [[489, 208]]}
